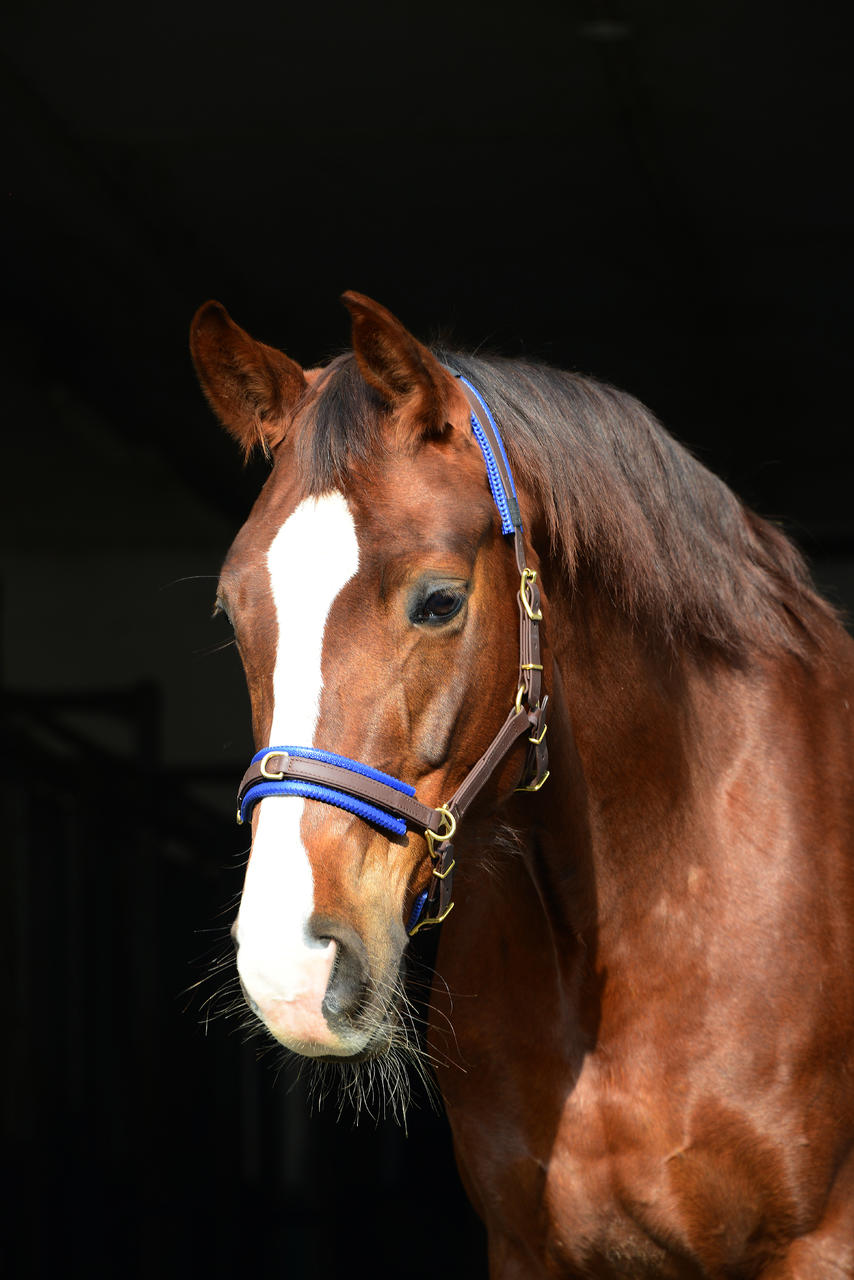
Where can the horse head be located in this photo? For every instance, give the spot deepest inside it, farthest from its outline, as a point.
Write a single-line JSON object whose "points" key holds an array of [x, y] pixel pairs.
{"points": [[372, 599]]}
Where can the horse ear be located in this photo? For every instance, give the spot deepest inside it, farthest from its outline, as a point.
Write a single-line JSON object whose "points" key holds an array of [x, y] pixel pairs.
{"points": [[252, 388], [398, 366]]}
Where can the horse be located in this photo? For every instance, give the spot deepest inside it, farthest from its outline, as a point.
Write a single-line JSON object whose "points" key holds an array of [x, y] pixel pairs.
{"points": [[641, 1017]]}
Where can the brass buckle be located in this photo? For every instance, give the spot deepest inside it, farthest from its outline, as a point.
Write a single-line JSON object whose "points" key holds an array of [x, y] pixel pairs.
{"points": [[439, 837], [432, 920], [529, 576], [272, 777], [536, 741], [536, 784], [443, 875]]}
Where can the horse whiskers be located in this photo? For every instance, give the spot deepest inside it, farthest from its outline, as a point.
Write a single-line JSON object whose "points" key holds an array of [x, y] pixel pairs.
{"points": [[226, 999], [223, 965], [425, 983], [412, 1021], [209, 650], [228, 908], [379, 1086], [190, 577]]}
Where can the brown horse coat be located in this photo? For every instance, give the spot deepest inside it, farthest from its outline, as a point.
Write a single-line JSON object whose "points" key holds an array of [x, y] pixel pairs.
{"points": [[645, 1019]]}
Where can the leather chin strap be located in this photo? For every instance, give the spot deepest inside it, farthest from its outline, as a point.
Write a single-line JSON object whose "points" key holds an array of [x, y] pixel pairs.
{"points": [[384, 800]]}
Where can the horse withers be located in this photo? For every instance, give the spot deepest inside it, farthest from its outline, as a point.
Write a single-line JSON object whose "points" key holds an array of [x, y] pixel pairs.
{"points": [[652, 1070]]}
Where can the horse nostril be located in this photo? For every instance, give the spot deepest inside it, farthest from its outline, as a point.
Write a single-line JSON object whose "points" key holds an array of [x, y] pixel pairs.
{"points": [[348, 982]]}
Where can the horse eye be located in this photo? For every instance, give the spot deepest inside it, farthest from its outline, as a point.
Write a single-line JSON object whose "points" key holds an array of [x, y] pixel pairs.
{"points": [[439, 606]]}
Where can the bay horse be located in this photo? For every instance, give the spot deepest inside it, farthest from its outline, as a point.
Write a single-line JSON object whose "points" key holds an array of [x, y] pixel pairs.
{"points": [[644, 1024]]}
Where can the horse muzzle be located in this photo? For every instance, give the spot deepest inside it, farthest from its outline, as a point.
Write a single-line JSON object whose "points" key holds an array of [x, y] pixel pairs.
{"points": [[319, 1000]]}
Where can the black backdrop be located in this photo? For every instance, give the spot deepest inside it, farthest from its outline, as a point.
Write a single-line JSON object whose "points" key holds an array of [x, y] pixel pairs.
{"points": [[651, 192]]}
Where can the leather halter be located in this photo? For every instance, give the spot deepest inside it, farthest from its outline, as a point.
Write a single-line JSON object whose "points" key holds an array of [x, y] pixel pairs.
{"points": [[386, 801]]}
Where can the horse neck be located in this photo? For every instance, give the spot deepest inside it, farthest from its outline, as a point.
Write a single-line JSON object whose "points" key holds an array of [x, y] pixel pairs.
{"points": [[630, 743], [539, 923], [636, 739]]}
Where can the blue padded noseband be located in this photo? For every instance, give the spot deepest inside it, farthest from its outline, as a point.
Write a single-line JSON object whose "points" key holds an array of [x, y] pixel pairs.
{"points": [[274, 786]]}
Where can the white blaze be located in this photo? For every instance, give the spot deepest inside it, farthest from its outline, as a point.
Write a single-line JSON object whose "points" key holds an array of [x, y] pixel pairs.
{"points": [[284, 969]]}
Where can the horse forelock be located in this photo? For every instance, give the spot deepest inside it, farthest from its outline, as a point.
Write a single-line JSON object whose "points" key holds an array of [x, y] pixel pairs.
{"points": [[340, 426]]}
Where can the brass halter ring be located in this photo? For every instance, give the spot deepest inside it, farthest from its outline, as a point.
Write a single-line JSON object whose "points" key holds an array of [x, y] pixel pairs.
{"points": [[265, 773], [440, 837]]}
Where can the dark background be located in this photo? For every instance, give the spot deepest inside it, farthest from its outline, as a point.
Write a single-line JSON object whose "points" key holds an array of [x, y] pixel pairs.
{"points": [[650, 192]]}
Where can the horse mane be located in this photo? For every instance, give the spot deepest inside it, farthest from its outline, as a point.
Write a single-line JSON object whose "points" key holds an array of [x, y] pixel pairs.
{"points": [[626, 506]]}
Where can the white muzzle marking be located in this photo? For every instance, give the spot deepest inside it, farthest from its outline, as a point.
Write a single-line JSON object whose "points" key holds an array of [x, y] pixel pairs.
{"points": [[284, 969]]}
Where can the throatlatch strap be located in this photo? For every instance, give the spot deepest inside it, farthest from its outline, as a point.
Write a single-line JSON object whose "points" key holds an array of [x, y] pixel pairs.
{"points": [[382, 799]]}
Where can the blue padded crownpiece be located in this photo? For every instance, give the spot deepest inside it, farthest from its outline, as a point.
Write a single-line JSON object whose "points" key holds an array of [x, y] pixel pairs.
{"points": [[507, 504]]}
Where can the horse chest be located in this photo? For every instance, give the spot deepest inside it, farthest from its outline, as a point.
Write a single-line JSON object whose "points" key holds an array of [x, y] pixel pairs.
{"points": [[606, 1208], [604, 1186]]}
